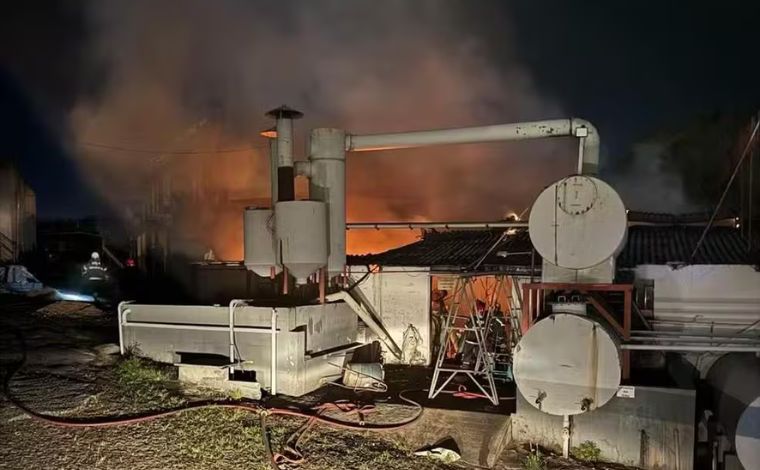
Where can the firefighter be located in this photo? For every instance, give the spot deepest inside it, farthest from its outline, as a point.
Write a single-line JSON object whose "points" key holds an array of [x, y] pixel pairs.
{"points": [[94, 271]]}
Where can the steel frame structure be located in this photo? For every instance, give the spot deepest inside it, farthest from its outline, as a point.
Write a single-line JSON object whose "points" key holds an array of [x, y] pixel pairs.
{"points": [[464, 296]]}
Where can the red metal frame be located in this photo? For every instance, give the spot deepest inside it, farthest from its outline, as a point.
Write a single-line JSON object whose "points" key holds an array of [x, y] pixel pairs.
{"points": [[533, 295]]}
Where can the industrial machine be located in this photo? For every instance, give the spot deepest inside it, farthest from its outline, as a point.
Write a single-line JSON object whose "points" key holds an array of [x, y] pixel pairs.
{"points": [[304, 240], [570, 362]]}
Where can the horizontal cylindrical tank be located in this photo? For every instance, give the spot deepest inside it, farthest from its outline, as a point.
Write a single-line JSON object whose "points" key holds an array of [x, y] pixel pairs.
{"points": [[567, 364], [578, 222], [258, 240], [735, 380], [301, 230]]}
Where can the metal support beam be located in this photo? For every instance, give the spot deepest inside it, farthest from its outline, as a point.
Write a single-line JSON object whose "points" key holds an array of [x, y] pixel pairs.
{"points": [[433, 225]]}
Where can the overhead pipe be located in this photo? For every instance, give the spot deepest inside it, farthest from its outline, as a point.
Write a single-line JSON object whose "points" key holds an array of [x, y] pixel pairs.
{"points": [[588, 159]]}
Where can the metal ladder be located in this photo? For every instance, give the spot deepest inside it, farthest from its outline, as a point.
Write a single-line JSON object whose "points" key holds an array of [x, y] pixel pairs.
{"points": [[515, 311], [484, 365]]}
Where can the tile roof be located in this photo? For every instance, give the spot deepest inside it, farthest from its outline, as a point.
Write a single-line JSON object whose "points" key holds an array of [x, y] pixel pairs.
{"points": [[646, 244], [674, 244], [457, 249]]}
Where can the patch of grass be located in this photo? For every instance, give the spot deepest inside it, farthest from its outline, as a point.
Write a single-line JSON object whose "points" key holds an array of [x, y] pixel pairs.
{"points": [[136, 371], [587, 451], [206, 435], [147, 382], [235, 394], [534, 461]]}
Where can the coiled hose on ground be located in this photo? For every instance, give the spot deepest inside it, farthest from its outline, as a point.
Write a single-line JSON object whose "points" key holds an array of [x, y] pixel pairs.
{"points": [[313, 417]]}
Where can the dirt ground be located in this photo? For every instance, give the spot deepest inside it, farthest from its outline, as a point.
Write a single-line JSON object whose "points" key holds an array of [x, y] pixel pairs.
{"points": [[72, 369]]}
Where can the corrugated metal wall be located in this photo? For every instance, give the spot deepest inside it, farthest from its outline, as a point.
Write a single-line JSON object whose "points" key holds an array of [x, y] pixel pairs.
{"points": [[18, 214]]}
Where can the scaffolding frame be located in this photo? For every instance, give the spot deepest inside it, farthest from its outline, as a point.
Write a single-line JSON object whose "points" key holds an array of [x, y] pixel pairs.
{"points": [[464, 296]]}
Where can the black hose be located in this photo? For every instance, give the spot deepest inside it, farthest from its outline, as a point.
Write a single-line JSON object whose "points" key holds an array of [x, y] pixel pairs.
{"points": [[267, 445]]}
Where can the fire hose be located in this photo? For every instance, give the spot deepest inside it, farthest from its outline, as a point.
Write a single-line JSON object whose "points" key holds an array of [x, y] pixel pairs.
{"points": [[275, 459]]}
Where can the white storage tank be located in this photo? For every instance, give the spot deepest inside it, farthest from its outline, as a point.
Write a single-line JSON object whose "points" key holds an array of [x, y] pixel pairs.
{"points": [[567, 364], [578, 222], [301, 228], [735, 381], [258, 241]]}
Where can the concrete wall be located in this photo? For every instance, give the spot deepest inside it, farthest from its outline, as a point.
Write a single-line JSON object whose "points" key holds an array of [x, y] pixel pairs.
{"points": [[655, 429], [401, 295], [303, 334], [480, 437]]}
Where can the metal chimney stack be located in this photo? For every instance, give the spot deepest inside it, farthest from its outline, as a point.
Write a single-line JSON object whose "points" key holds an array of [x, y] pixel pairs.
{"points": [[285, 174]]}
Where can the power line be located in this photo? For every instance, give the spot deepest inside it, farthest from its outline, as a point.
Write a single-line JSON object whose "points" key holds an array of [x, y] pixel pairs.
{"points": [[745, 152], [168, 152]]}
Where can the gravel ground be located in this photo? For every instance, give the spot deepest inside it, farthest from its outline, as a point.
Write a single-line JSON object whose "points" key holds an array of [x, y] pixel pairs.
{"points": [[72, 369]]}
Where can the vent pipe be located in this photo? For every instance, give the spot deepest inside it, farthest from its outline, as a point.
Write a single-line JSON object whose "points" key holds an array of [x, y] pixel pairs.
{"points": [[284, 129], [271, 136]]}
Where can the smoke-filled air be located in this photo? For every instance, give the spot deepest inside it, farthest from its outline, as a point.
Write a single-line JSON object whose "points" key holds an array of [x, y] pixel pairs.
{"points": [[198, 76]]}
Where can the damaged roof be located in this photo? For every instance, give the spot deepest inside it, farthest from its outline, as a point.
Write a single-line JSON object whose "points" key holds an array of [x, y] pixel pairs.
{"points": [[491, 250]]}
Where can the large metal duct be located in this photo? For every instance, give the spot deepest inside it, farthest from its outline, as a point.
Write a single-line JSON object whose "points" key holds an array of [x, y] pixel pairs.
{"points": [[327, 183]]}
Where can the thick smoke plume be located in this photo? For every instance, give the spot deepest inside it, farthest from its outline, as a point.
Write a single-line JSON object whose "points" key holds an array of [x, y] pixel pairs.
{"points": [[647, 182], [196, 75]]}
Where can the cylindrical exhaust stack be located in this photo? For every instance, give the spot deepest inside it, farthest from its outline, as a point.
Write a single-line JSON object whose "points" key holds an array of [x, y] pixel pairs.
{"points": [[285, 173], [327, 183], [271, 135], [258, 241], [301, 228]]}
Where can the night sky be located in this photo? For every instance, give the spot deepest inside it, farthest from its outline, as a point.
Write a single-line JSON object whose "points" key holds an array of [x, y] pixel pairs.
{"points": [[629, 67]]}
